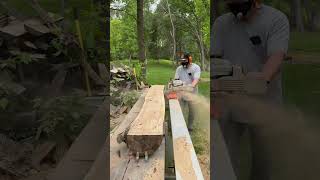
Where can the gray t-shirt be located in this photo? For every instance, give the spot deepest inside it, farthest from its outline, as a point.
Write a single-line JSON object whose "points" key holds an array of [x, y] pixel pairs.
{"points": [[187, 75], [234, 41]]}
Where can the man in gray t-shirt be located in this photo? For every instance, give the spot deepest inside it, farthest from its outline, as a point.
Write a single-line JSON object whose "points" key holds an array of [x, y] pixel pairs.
{"points": [[254, 36], [189, 73]]}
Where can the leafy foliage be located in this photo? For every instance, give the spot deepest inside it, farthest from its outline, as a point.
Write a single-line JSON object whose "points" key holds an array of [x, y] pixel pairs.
{"points": [[61, 117], [188, 17], [129, 98]]}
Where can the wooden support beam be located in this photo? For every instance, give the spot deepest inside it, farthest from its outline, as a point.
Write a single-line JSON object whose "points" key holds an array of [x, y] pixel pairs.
{"points": [[147, 130], [98, 170], [123, 166], [186, 162]]}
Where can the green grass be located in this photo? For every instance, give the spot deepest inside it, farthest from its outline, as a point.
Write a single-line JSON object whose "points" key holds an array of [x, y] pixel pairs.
{"points": [[307, 42], [161, 72], [302, 86]]}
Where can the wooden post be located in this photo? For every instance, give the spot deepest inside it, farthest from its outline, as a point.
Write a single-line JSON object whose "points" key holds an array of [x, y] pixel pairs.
{"points": [[83, 58]]}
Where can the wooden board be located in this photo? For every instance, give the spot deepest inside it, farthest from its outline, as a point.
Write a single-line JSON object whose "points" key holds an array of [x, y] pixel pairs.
{"points": [[122, 165], [13, 29], [221, 162], [186, 162], [85, 149], [36, 27], [147, 130]]}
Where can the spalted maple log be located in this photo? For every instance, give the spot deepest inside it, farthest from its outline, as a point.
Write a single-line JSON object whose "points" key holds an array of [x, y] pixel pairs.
{"points": [[147, 130]]}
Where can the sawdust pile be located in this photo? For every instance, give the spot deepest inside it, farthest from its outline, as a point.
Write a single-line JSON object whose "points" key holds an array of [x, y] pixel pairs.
{"points": [[290, 139]]}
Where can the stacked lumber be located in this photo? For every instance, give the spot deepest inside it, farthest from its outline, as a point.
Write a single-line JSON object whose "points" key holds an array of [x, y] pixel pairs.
{"points": [[4, 19], [147, 130]]}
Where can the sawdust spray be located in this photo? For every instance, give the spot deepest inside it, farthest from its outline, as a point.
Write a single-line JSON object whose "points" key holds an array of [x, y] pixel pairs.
{"points": [[290, 140], [201, 107], [201, 134]]}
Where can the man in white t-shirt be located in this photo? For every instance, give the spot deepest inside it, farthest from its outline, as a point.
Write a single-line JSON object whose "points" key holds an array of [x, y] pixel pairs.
{"points": [[189, 74]]}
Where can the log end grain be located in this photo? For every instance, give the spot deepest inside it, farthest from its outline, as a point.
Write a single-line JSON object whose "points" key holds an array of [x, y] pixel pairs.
{"points": [[142, 144]]}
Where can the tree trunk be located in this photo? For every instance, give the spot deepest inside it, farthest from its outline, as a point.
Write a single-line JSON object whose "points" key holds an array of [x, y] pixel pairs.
{"points": [[201, 49], [62, 13], [292, 15], [140, 31], [173, 34], [215, 10], [62, 7], [311, 13], [298, 15]]}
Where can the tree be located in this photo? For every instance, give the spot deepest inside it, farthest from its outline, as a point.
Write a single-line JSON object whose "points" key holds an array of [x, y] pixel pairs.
{"points": [[298, 15], [172, 32], [140, 32]]}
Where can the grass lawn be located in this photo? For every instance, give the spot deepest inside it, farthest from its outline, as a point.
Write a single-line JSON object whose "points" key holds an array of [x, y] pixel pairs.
{"points": [[161, 74], [301, 83], [307, 42], [302, 86]]}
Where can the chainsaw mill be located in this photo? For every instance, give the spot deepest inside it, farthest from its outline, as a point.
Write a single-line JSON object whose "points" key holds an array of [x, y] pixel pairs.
{"points": [[175, 87], [234, 79]]}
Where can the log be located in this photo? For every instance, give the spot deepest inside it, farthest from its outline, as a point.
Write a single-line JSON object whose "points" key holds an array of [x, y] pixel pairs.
{"points": [[185, 159], [147, 130], [150, 170], [123, 166]]}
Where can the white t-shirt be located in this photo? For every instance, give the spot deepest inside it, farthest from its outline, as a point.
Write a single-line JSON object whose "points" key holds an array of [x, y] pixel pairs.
{"points": [[188, 75]]}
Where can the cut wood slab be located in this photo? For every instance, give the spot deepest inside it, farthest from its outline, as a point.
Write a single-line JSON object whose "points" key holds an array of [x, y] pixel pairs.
{"points": [[187, 166], [146, 131]]}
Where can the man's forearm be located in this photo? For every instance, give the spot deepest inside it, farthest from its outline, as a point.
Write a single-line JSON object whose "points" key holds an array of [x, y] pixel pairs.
{"points": [[195, 82], [272, 66]]}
